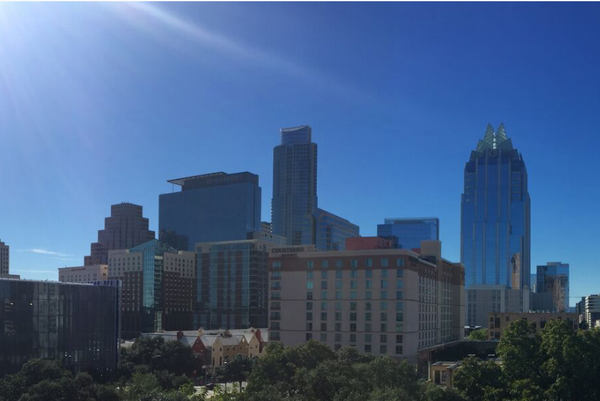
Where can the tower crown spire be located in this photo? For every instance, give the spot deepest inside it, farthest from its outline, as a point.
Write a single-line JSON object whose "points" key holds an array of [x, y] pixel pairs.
{"points": [[494, 139]]}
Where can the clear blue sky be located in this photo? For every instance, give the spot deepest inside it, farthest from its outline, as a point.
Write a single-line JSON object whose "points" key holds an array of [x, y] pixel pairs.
{"points": [[102, 103]]}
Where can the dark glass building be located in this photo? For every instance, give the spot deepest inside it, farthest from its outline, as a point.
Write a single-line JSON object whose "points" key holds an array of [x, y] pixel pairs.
{"points": [[77, 324], [331, 231], [495, 214], [210, 207], [553, 280], [125, 228], [295, 186], [408, 233], [232, 284]]}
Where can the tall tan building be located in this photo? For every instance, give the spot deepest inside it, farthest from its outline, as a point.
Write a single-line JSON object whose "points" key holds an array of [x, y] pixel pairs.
{"points": [[382, 301], [498, 322]]}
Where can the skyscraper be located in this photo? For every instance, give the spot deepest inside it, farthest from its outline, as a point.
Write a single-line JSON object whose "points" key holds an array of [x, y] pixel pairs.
{"points": [[331, 231], [407, 233], [553, 280], [210, 207], [495, 214], [4, 258], [125, 228], [295, 186]]}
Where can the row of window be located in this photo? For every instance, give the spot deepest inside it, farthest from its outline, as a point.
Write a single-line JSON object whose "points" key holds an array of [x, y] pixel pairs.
{"points": [[383, 262]]}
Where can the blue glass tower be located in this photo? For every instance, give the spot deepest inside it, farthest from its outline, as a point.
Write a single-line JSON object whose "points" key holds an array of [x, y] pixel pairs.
{"points": [[495, 214], [408, 233], [553, 279], [331, 231], [295, 186], [210, 207]]}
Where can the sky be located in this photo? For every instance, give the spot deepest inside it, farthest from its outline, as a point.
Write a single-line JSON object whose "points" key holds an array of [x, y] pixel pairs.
{"points": [[103, 103]]}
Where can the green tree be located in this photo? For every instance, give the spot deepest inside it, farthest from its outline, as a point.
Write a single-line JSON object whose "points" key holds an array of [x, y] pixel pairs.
{"points": [[478, 335], [236, 370], [477, 380], [518, 350]]}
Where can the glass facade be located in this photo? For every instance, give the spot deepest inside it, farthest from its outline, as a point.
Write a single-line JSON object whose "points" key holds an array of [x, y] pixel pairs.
{"points": [[295, 186], [232, 285], [210, 207], [332, 231], [495, 214], [77, 324], [408, 233], [553, 279]]}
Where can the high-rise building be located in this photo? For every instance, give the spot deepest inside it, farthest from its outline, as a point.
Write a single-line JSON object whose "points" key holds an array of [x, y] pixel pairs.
{"points": [[232, 284], [210, 207], [382, 301], [591, 309], [553, 281], [77, 324], [495, 213], [125, 228], [4, 258], [331, 231], [295, 186], [158, 290], [407, 233]]}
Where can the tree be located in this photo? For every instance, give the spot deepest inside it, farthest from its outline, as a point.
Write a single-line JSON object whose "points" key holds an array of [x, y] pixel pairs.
{"points": [[236, 370], [478, 335], [478, 380], [518, 350]]}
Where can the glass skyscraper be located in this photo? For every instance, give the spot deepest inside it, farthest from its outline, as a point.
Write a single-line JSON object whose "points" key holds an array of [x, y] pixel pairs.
{"points": [[495, 214], [295, 186], [553, 279], [331, 231], [210, 207], [409, 232]]}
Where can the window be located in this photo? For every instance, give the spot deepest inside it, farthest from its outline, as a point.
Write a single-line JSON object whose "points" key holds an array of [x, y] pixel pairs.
{"points": [[369, 262], [384, 262], [275, 315], [275, 295], [275, 275], [399, 262], [398, 349], [353, 316], [384, 284], [275, 326], [399, 273], [275, 306], [352, 294], [352, 338], [339, 263], [309, 326], [338, 295], [352, 305], [309, 295], [367, 306], [383, 316], [367, 316], [354, 263], [339, 274], [323, 315], [338, 337], [308, 336], [368, 327], [324, 264], [352, 326], [338, 306], [323, 305], [353, 284], [384, 273], [309, 285], [309, 306], [368, 348], [368, 273], [338, 316], [383, 349], [398, 338], [338, 327], [383, 295], [308, 315], [398, 294], [324, 284], [276, 285], [323, 274], [368, 295], [323, 326], [310, 264], [323, 294], [368, 284], [338, 284], [276, 265], [353, 274], [323, 337], [399, 284]]}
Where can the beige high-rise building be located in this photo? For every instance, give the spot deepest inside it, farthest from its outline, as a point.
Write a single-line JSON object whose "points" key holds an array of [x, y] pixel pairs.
{"points": [[83, 274], [4, 258], [382, 301]]}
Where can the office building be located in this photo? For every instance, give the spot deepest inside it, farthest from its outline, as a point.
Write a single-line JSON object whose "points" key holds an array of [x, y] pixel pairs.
{"points": [[332, 231], [364, 243], [382, 301], [158, 290], [553, 287], [484, 299], [591, 310], [210, 207], [495, 213], [125, 228], [83, 274], [232, 284], [533, 282], [77, 324], [4, 258], [498, 322], [407, 233], [295, 186]]}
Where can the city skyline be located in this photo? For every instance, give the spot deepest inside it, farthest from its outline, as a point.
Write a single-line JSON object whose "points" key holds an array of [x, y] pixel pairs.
{"points": [[72, 157]]}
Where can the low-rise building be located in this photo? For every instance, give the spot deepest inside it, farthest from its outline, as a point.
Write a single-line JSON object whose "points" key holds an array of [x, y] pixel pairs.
{"points": [[382, 301], [214, 348], [483, 299], [83, 274], [442, 373], [498, 322]]}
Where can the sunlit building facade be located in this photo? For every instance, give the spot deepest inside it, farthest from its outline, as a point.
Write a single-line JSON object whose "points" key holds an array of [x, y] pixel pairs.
{"points": [[553, 280], [4, 258]]}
